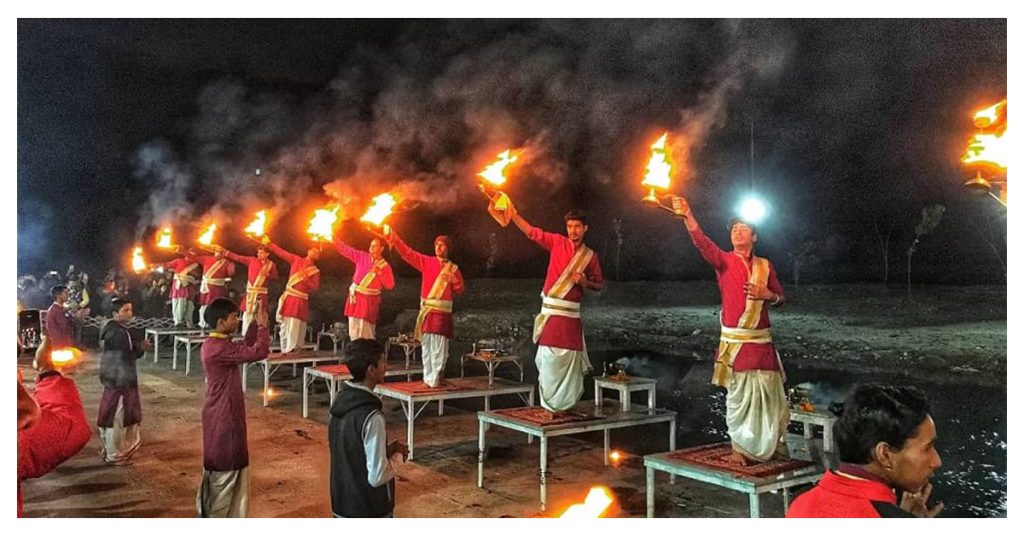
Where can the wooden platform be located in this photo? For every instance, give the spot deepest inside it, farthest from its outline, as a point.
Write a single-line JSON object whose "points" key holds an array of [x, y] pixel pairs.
{"points": [[409, 394], [334, 374], [276, 360], [756, 481], [157, 333], [585, 417]]}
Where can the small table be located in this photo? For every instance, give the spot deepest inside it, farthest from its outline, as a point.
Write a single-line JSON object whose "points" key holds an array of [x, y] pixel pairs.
{"points": [[491, 361], [606, 419], [335, 337], [275, 360], [333, 374], [799, 448], [810, 419], [156, 333], [625, 387], [191, 341], [409, 347]]}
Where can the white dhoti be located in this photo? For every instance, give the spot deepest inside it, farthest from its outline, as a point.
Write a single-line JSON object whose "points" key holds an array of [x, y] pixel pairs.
{"points": [[359, 328], [293, 332], [223, 493], [181, 309], [757, 413], [119, 442], [560, 375], [249, 318], [202, 317], [435, 355]]}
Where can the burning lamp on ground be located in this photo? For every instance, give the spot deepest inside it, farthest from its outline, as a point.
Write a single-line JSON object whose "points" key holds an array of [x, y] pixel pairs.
{"points": [[980, 186], [658, 176], [163, 239], [63, 357], [615, 457]]}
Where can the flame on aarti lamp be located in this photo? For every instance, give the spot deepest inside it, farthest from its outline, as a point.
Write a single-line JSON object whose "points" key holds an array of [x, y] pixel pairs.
{"points": [[321, 226], [496, 173], [991, 147], [597, 501], [163, 239], [987, 117], [258, 225], [63, 356], [207, 237], [659, 170], [382, 206], [138, 263]]}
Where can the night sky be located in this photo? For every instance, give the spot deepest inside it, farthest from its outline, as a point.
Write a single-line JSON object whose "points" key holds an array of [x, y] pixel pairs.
{"points": [[124, 125]]}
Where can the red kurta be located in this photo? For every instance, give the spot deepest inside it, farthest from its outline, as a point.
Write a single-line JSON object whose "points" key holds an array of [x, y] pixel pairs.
{"points": [[733, 272], [838, 496], [214, 291], [60, 327], [364, 306], [254, 265], [177, 266], [430, 266], [295, 307], [225, 447], [58, 434], [560, 331]]}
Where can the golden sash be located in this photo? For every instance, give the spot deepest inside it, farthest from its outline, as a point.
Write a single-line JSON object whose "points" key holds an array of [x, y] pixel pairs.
{"points": [[433, 301], [363, 287], [184, 277], [208, 279], [552, 302], [732, 339], [254, 289], [290, 290]]}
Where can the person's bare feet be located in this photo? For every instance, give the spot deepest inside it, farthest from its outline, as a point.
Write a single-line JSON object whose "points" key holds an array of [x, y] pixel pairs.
{"points": [[738, 459]]}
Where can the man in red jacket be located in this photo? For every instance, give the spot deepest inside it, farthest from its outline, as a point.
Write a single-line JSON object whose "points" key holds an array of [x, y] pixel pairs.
{"points": [[372, 276], [886, 440], [52, 431], [293, 305], [260, 269], [217, 271]]}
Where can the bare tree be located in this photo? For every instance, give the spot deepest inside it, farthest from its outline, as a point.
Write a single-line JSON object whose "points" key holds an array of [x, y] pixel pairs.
{"points": [[617, 228], [930, 218], [884, 239], [805, 252]]}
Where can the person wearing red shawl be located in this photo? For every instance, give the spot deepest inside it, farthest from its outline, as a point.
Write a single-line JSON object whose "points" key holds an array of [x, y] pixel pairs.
{"points": [[746, 363], [183, 289], [372, 276], [217, 271], [260, 269], [293, 305], [441, 282]]}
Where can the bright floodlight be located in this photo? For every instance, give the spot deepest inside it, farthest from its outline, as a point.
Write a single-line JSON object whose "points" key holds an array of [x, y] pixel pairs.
{"points": [[752, 210]]}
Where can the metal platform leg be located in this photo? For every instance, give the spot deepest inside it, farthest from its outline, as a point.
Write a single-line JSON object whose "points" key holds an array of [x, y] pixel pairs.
{"points": [[607, 442], [156, 347], [188, 359], [597, 395], [529, 437], [827, 438], [785, 500], [543, 473], [174, 356], [410, 417], [305, 394], [266, 384], [625, 397], [482, 445], [651, 397], [755, 506], [440, 407], [650, 492], [245, 376], [672, 445]]}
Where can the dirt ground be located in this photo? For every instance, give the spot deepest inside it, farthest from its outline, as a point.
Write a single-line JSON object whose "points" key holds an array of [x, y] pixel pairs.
{"points": [[944, 332]]}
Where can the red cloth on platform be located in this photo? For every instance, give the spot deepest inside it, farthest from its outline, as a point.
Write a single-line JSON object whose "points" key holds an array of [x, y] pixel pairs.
{"points": [[177, 266], [430, 266], [253, 266], [560, 331], [733, 272], [225, 447], [295, 307], [364, 306], [59, 433]]}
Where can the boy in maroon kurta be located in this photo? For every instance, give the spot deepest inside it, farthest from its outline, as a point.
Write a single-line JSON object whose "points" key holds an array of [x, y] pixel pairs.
{"points": [[224, 490]]}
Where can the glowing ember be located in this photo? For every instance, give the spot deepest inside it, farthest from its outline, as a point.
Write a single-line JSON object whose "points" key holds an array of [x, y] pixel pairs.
{"points": [[138, 263], [381, 208], [597, 501], [497, 172], [321, 226], [207, 237], [64, 356], [258, 225], [990, 116], [270, 392], [615, 457], [163, 239], [659, 171]]}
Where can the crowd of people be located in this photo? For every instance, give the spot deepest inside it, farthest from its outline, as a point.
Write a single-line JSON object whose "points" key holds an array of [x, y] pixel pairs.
{"points": [[95, 298], [885, 435]]}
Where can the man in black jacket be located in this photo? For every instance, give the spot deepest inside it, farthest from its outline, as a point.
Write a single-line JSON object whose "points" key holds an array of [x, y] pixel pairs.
{"points": [[120, 410], [362, 461]]}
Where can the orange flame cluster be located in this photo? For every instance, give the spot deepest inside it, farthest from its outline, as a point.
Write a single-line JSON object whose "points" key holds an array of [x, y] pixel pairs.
{"points": [[991, 146], [138, 263], [163, 239], [321, 226], [658, 173], [496, 173], [598, 500], [382, 206], [63, 356], [258, 225], [207, 237]]}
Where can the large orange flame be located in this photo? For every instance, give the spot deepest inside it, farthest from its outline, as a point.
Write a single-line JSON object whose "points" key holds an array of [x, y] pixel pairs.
{"points": [[382, 206], [163, 239], [321, 226], [207, 237], [991, 147], [496, 173], [258, 225], [597, 501], [63, 356], [991, 116], [658, 173], [138, 263]]}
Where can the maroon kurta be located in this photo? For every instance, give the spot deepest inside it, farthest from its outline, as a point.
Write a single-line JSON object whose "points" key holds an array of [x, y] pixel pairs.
{"points": [[295, 307], [430, 266], [254, 265], [178, 266], [733, 272], [214, 291], [60, 327], [224, 434], [357, 304], [560, 331]]}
